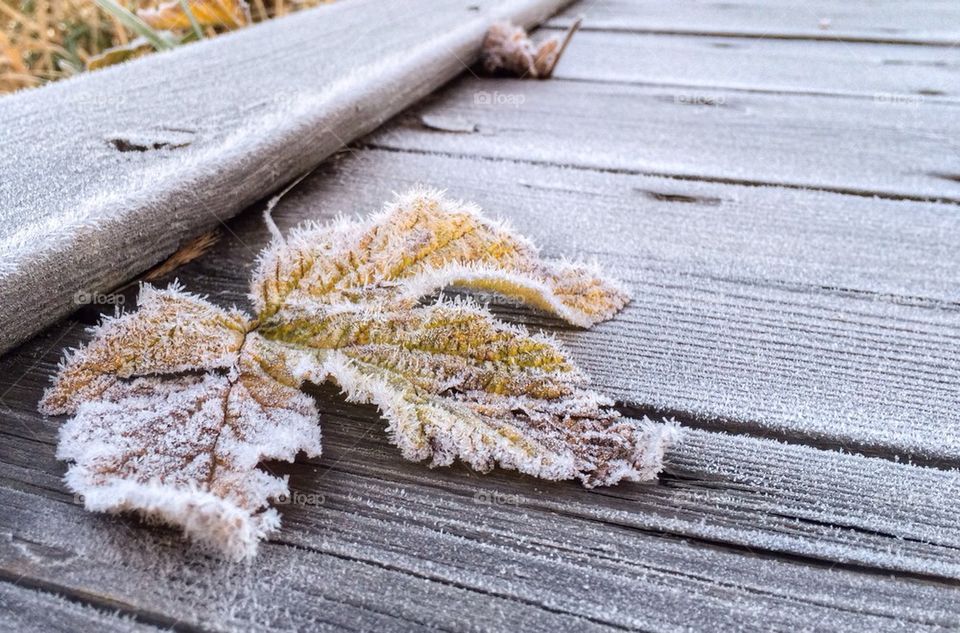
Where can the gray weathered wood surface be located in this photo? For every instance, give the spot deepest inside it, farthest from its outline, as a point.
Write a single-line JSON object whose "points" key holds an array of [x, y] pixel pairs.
{"points": [[805, 313], [107, 173], [925, 22], [900, 75], [846, 144], [808, 339], [30, 611]]}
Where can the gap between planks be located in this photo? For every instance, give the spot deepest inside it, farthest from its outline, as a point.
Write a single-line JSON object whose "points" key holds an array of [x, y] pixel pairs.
{"points": [[372, 144], [26, 607], [850, 39]]}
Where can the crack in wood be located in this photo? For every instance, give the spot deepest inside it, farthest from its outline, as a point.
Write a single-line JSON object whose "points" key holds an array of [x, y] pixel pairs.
{"points": [[849, 191]]}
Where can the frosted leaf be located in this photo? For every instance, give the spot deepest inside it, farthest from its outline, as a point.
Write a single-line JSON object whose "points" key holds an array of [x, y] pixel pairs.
{"points": [[170, 15], [419, 244], [176, 404], [508, 49], [171, 332], [184, 450], [453, 382]]}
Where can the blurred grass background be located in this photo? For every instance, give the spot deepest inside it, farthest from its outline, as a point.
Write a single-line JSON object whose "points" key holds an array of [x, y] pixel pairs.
{"points": [[46, 40]]}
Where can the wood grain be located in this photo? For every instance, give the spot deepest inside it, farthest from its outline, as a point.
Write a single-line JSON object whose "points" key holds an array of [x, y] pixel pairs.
{"points": [[769, 498], [828, 319], [866, 147], [824, 318], [930, 22], [27, 611], [743, 492], [400, 547], [107, 173], [908, 75]]}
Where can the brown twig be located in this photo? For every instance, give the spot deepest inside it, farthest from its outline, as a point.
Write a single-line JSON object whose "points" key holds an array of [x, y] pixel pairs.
{"points": [[183, 255], [563, 45]]}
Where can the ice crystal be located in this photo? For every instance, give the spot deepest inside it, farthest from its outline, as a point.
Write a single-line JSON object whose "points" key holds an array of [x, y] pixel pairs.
{"points": [[175, 405]]}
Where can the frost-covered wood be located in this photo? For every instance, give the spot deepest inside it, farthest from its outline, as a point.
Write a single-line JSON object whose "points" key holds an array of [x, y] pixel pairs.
{"points": [[341, 302], [770, 497], [935, 22], [105, 174], [28, 611], [383, 545], [892, 147], [741, 491], [899, 75], [806, 314]]}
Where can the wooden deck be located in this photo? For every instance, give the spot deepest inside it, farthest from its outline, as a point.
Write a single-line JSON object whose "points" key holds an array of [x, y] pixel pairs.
{"points": [[779, 185]]}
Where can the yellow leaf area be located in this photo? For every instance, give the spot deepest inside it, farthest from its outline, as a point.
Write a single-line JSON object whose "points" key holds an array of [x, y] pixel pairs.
{"points": [[117, 54], [171, 16], [175, 405], [419, 244]]}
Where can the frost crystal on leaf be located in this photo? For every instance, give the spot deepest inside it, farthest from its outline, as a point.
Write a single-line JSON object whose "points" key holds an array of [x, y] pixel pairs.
{"points": [[175, 405]]}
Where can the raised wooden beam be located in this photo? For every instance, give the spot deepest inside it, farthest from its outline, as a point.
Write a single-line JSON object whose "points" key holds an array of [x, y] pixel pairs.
{"points": [[106, 174]]}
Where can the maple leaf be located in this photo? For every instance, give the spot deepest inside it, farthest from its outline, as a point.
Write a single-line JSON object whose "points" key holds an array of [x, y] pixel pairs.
{"points": [[176, 404]]}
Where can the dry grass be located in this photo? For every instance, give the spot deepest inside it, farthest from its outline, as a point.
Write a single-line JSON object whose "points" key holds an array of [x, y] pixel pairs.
{"points": [[46, 40]]}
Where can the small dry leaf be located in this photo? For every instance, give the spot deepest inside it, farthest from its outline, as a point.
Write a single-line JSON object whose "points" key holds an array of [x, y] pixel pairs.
{"points": [[170, 15], [175, 405], [508, 49], [117, 54]]}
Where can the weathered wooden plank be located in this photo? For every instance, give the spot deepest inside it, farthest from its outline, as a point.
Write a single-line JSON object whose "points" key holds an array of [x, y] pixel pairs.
{"points": [[389, 545], [769, 507], [773, 498], [935, 22], [769, 497], [148, 574], [855, 145], [26, 611], [808, 314], [153, 575], [105, 174], [903, 76], [813, 315], [395, 547]]}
